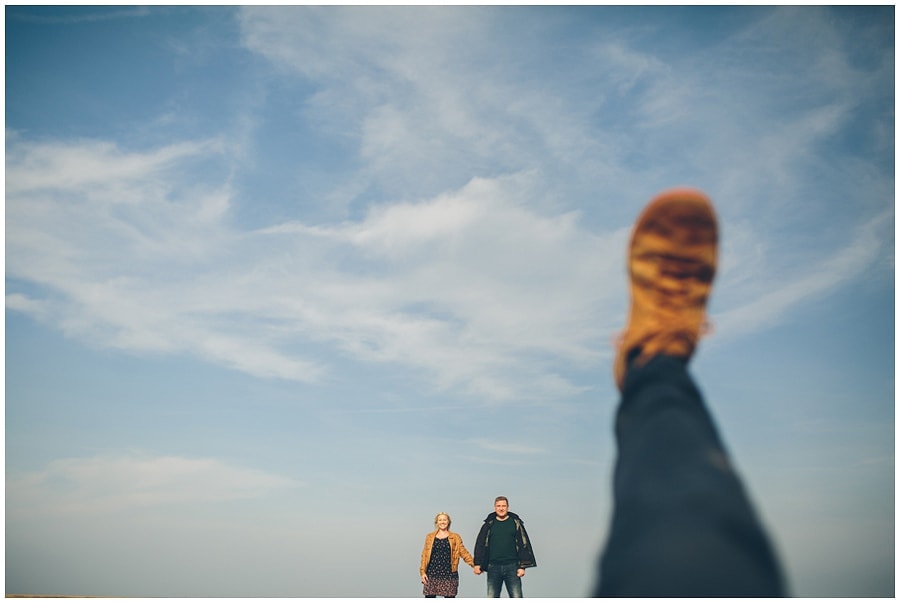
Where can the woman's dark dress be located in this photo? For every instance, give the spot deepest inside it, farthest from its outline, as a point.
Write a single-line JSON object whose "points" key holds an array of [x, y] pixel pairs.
{"points": [[442, 581]]}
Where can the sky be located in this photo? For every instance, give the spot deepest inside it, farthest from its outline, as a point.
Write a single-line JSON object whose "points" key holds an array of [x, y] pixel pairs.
{"points": [[284, 283]]}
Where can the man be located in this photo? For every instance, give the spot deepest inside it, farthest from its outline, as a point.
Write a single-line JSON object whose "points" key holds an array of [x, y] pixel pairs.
{"points": [[682, 523], [503, 547]]}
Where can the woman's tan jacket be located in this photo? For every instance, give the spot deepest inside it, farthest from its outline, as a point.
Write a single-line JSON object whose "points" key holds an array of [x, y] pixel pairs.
{"points": [[457, 550]]}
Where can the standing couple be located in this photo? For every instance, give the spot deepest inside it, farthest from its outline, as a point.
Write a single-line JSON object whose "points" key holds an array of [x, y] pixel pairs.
{"points": [[502, 548]]}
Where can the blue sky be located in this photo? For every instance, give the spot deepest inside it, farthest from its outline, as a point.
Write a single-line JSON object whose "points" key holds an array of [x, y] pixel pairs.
{"points": [[283, 283]]}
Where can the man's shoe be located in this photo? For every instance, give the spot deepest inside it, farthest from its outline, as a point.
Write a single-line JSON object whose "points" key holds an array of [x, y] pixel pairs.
{"points": [[671, 264]]}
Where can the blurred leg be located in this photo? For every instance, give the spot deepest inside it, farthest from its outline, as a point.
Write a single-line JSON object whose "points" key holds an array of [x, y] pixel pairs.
{"points": [[682, 523]]}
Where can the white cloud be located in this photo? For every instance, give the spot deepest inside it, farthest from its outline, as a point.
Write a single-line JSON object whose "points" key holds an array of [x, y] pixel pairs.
{"points": [[434, 103], [91, 164], [507, 448], [471, 287], [757, 300], [107, 483]]}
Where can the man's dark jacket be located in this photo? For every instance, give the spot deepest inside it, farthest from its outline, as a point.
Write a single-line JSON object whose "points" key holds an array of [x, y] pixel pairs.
{"points": [[523, 542]]}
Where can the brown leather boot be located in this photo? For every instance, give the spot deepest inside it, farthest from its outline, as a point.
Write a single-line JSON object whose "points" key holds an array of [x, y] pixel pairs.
{"points": [[671, 264]]}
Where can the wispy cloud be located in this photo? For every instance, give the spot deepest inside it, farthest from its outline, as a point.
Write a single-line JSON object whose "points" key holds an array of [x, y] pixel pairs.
{"points": [[772, 298], [507, 448], [107, 483], [82, 165], [116, 239], [445, 97], [470, 286], [81, 16]]}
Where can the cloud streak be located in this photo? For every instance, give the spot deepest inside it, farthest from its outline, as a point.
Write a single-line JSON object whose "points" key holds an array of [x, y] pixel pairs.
{"points": [[81, 17], [111, 483], [772, 300]]}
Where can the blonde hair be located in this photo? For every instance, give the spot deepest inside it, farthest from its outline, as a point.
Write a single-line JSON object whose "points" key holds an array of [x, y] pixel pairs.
{"points": [[447, 515]]}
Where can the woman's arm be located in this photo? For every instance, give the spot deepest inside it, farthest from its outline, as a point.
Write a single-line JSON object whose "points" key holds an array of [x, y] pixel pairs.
{"points": [[426, 555], [463, 553]]}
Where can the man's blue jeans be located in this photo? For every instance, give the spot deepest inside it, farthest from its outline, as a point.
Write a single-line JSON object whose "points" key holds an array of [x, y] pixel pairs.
{"points": [[497, 574], [682, 523]]}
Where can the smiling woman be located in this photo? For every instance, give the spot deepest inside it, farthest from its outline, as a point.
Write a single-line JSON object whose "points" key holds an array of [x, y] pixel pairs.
{"points": [[440, 559]]}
